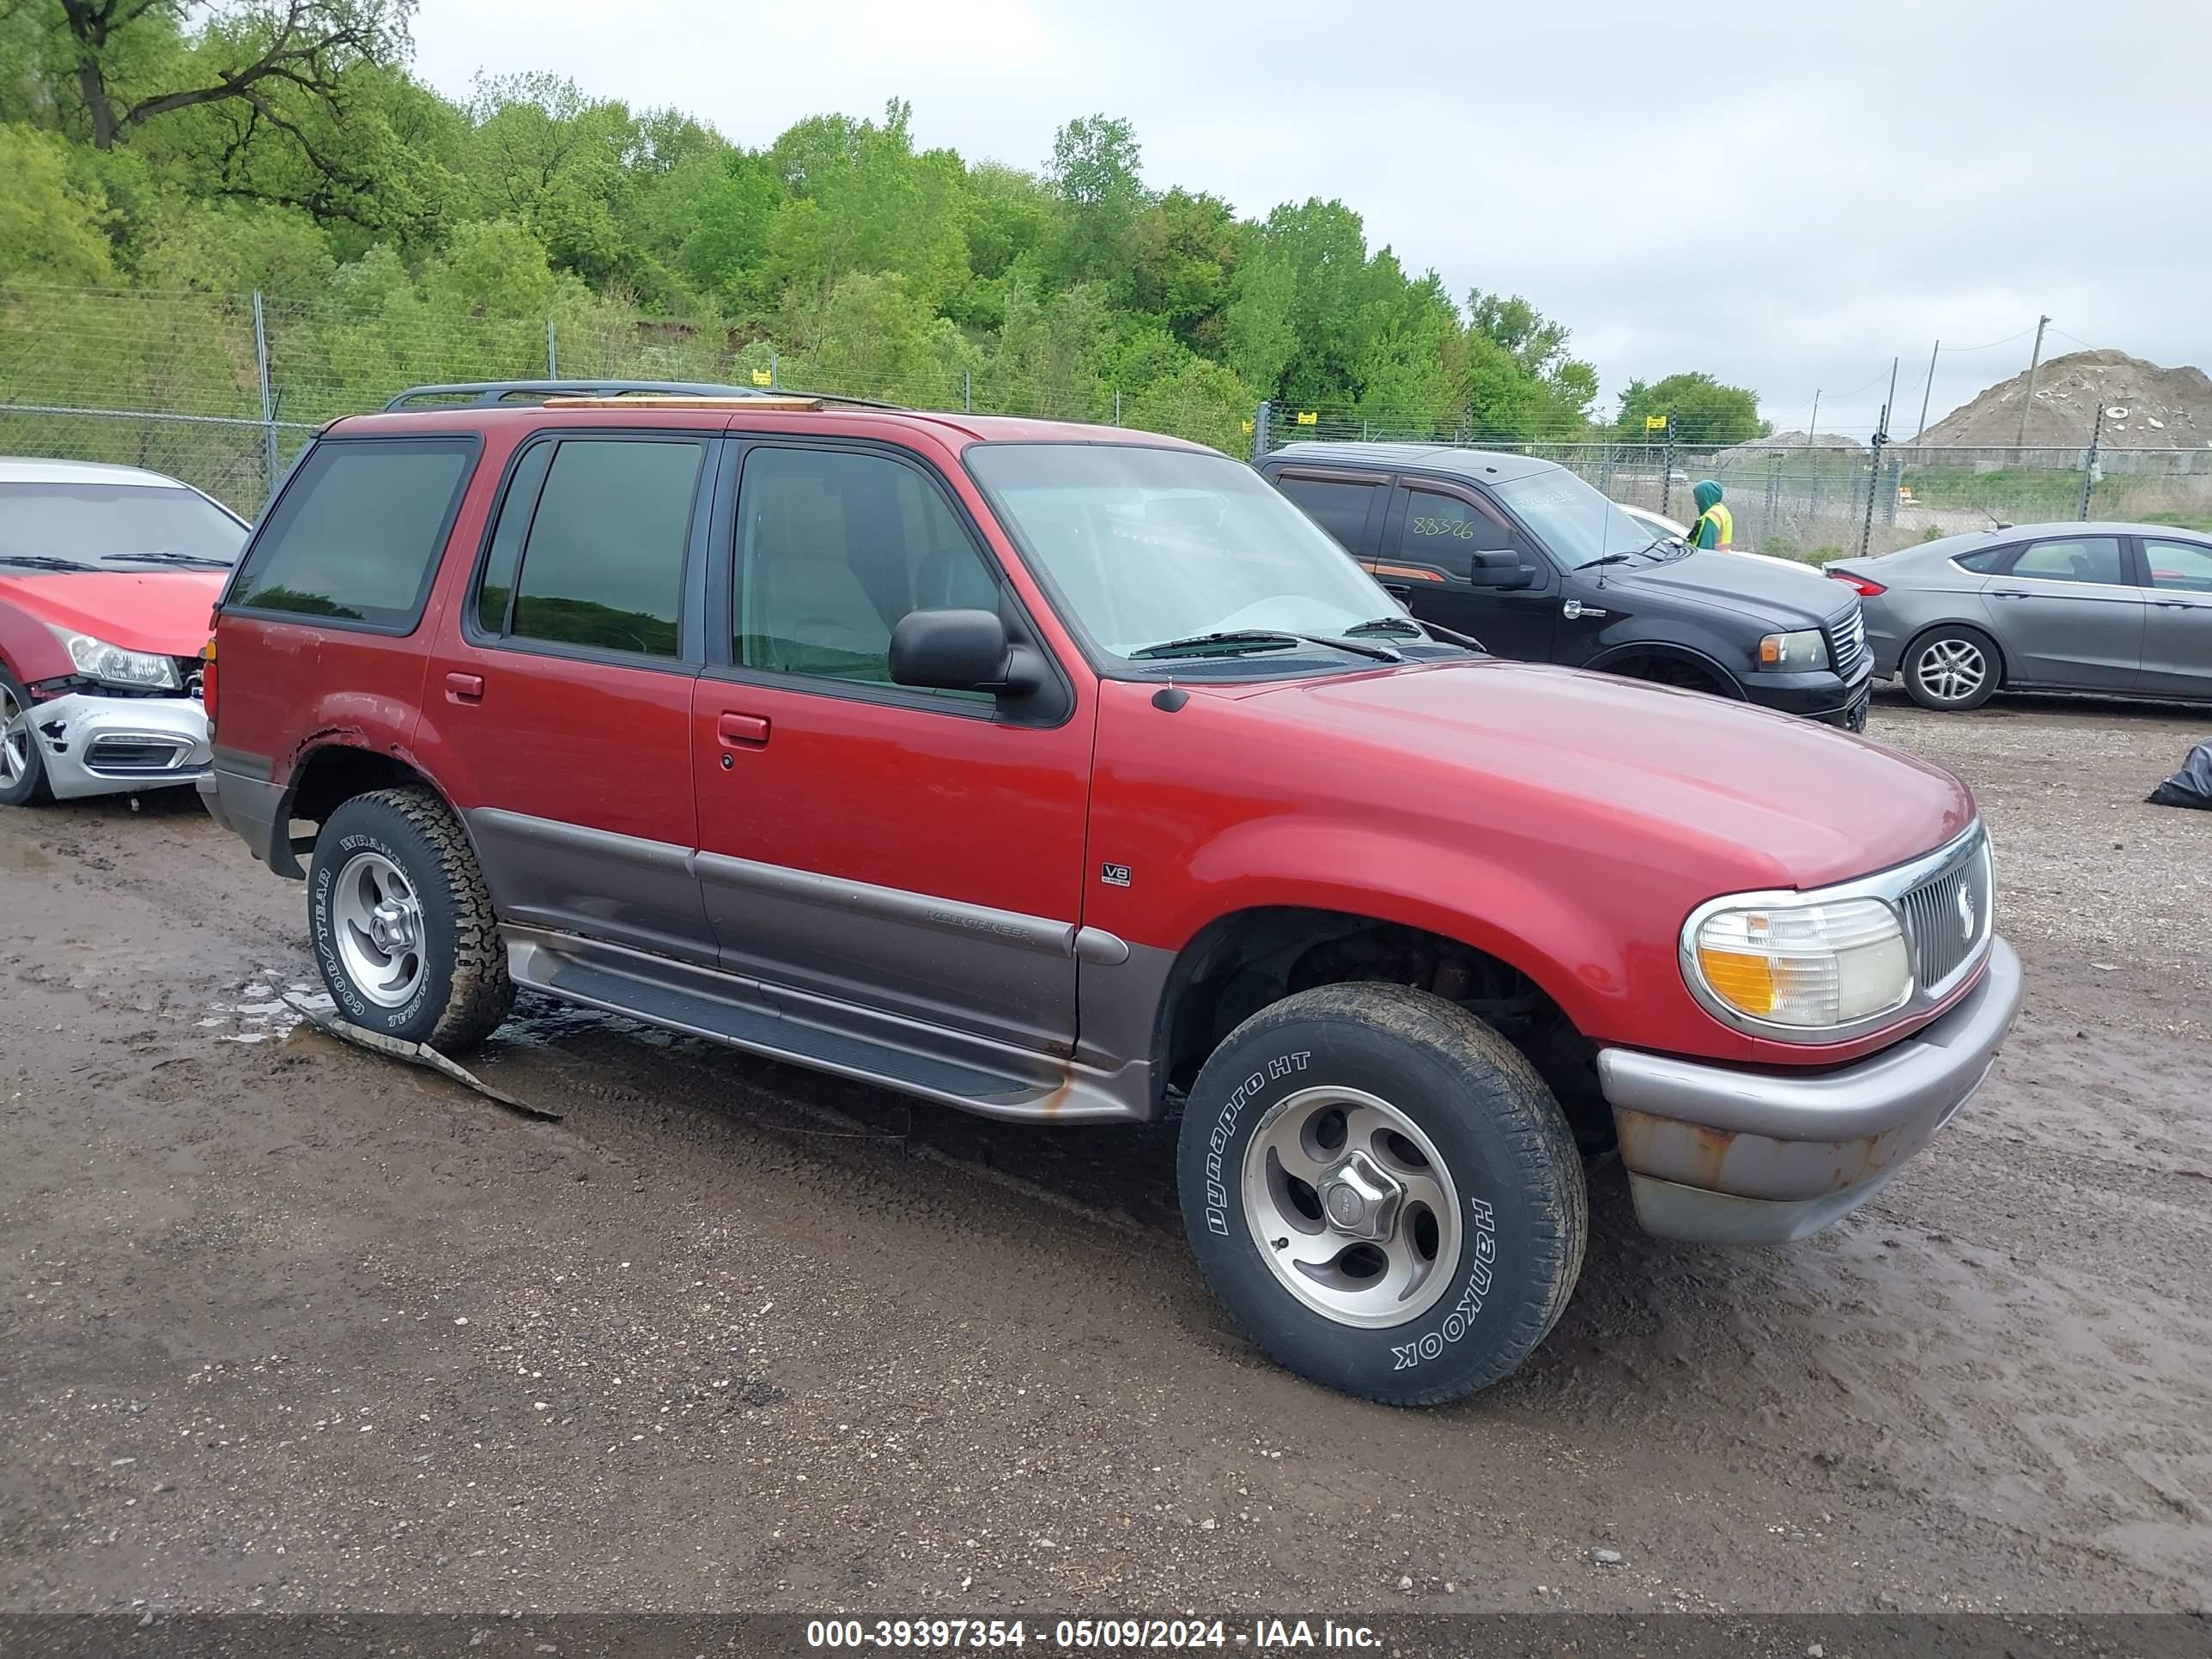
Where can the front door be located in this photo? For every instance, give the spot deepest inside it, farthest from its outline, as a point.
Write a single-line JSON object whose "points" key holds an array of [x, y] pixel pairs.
{"points": [[2068, 612], [1428, 560], [558, 706], [908, 854], [2177, 655]]}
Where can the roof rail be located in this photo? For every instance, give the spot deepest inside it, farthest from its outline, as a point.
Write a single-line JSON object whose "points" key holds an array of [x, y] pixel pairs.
{"points": [[488, 394]]}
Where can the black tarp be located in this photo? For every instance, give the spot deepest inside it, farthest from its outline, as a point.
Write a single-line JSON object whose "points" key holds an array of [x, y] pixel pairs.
{"points": [[2192, 785]]}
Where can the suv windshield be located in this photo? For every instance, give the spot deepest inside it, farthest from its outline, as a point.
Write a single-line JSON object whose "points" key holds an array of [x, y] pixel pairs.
{"points": [[1573, 522], [104, 523], [1145, 546]]}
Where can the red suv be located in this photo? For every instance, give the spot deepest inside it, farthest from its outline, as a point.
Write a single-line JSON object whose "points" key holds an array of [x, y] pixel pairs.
{"points": [[1071, 775]]}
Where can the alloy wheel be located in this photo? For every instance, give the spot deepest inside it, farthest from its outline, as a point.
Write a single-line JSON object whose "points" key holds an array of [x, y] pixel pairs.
{"points": [[1352, 1207], [15, 740], [377, 922], [1952, 670]]}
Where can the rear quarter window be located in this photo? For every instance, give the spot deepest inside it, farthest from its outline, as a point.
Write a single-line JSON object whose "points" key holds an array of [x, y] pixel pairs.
{"points": [[355, 537]]}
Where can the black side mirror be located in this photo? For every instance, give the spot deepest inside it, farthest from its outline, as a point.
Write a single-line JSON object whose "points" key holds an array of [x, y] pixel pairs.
{"points": [[1499, 568], [960, 650]]}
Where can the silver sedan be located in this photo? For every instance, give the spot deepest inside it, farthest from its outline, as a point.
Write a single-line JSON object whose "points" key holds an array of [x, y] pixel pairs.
{"points": [[2119, 610]]}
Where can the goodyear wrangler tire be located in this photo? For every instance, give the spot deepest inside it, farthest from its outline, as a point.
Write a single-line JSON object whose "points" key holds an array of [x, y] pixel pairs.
{"points": [[401, 923], [1383, 1193]]}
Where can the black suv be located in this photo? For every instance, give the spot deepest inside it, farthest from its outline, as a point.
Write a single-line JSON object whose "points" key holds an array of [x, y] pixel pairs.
{"points": [[1526, 557]]}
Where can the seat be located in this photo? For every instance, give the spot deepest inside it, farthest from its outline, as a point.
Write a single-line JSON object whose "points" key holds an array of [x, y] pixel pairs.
{"points": [[808, 611]]}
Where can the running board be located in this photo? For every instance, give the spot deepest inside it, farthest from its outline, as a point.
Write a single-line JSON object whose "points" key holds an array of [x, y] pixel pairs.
{"points": [[955, 1068]]}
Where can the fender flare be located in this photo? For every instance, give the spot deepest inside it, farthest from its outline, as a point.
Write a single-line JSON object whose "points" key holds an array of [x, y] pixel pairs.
{"points": [[1602, 664]]}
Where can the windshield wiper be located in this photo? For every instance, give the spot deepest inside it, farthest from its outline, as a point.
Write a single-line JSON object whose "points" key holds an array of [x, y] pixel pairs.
{"points": [[40, 561], [1651, 546], [1235, 641], [167, 556], [1401, 626]]}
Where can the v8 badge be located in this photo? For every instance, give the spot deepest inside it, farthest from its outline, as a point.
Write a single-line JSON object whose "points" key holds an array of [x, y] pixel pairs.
{"points": [[1114, 875]]}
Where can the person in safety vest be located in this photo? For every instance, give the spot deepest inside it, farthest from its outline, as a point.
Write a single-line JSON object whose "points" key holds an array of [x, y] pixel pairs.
{"points": [[1714, 527]]}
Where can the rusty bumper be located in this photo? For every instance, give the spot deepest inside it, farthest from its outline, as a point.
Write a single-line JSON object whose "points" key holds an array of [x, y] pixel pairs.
{"points": [[1728, 1155]]}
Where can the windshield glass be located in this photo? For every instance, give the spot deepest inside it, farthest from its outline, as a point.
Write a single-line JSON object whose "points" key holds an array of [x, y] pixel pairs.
{"points": [[1574, 522], [1144, 546], [90, 523]]}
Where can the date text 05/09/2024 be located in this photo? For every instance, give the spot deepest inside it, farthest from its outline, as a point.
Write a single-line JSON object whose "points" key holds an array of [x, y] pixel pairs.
{"points": [[1106, 1635]]}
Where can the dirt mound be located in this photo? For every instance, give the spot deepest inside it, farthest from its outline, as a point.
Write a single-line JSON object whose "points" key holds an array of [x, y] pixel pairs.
{"points": [[2146, 407], [1760, 448]]}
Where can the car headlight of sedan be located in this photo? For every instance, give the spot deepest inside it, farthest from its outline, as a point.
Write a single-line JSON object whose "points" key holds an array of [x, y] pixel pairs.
{"points": [[1812, 967], [1799, 652], [112, 665]]}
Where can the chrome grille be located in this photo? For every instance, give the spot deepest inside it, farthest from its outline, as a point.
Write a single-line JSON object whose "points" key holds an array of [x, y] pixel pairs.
{"points": [[1847, 642], [1950, 916]]}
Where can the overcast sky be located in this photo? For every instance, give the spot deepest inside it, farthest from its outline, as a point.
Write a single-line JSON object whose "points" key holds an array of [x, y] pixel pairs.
{"points": [[1782, 195]]}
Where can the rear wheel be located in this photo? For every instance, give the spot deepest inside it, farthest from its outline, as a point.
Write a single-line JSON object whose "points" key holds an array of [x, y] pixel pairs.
{"points": [[402, 925], [1383, 1193], [1952, 669], [22, 768]]}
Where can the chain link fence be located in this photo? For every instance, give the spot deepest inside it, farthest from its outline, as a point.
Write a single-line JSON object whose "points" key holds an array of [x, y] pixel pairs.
{"points": [[1828, 499], [224, 390]]}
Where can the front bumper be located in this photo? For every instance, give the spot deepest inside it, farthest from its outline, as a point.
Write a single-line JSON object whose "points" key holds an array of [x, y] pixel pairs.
{"points": [[1731, 1155], [95, 745], [1818, 694]]}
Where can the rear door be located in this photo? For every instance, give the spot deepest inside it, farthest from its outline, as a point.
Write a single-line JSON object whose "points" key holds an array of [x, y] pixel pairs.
{"points": [[2068, 612], [2177, 655], [558, 708], [1348, 505], [1431, 541]]}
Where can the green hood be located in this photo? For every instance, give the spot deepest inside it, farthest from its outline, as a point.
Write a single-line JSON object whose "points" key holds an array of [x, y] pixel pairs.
{"points": [[1708, 495]]}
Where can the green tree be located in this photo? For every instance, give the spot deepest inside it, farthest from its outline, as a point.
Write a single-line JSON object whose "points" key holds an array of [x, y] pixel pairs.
{"points": [[1705, 411], [1095, 170], [1181, 255], [128, 63], [53, 230]]}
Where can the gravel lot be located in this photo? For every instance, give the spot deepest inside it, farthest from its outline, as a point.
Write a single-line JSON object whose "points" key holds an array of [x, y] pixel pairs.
{"points": [[290, 1327]]}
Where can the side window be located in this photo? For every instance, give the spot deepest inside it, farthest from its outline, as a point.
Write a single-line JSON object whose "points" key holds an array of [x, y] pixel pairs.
{"points": [[2183, 567], [834, 547], [602, 556], [2073, 559], [1444, 532], [1985, 560], [359, 531], [514, 515], [1337, 507]]}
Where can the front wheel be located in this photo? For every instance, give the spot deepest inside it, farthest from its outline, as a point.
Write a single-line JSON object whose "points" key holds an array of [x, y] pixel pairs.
{"points": [[22, 768], [1952, 669], [401, 923], [1383, 1193]]}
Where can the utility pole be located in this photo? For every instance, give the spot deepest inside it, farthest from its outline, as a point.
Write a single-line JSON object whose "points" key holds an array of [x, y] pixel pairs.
{"points": [[1815, 427], [2035, 362], [1667, 468], [2089, 466], [1892, 403], [1874, 479], [1925, 390]]}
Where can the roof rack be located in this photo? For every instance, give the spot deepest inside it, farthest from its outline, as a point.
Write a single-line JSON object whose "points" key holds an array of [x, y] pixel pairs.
{"points": [[488, 394]]}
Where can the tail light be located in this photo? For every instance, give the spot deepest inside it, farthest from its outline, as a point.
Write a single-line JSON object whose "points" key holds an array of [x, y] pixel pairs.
{"points": [[1866, 586], [207, 680]]}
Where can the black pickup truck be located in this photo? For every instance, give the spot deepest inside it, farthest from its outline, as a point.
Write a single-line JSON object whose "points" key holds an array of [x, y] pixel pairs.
{"points": [[1530, 560]]}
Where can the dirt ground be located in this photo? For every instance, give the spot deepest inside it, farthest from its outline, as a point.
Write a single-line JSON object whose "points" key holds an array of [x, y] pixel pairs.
{"points": [[288, 1326]]}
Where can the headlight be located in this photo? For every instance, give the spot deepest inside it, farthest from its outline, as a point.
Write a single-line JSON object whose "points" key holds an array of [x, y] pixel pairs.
{"points": [[112, 665], [1805, 649], [1810, 966]]}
